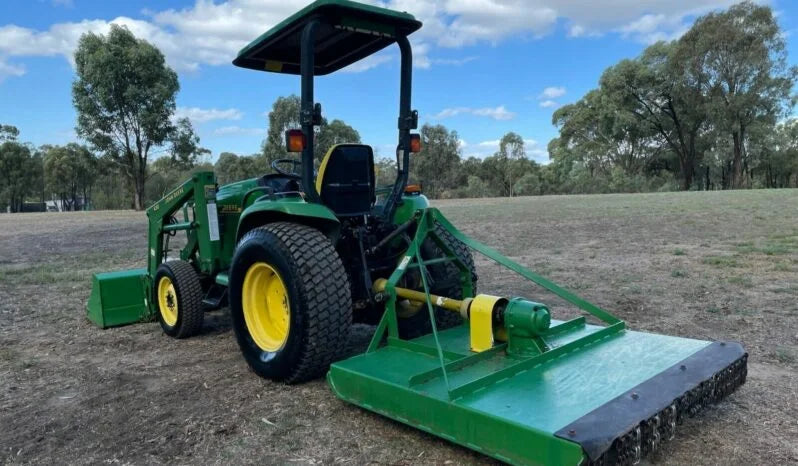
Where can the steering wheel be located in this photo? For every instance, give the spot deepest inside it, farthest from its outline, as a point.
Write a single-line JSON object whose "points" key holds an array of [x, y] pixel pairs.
{"points": [[296, 165]]}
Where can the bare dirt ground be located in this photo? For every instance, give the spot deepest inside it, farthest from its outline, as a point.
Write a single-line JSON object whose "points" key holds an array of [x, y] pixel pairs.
{"points": [[703, 265]]}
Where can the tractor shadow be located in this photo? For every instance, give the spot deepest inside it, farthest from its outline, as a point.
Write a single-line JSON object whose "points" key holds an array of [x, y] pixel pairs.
{"points": [[218, 322], [359, 339]]}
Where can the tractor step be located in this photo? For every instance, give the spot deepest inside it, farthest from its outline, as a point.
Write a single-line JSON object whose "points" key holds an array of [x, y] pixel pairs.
{"points": [[600, 395], [215, 298]]}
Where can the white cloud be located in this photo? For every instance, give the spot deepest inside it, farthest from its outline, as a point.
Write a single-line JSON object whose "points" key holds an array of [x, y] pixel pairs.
{"points": [[367, 63], [576, 30], [210, 32], [238, 130], [202, 115], [552, 92], [547, 96], [652, 28], [7, 69], [456, 23], [497, 113], [539, 155], [452, 61], [495, 142]]}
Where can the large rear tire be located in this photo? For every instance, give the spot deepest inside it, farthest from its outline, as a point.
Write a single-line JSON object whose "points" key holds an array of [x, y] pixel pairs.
{"points": [[178, 295], [444, 281], [290, 301]]}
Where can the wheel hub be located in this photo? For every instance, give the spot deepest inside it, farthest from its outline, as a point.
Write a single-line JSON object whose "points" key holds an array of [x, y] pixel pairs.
{"points": [[266, 307], [167, 301]]}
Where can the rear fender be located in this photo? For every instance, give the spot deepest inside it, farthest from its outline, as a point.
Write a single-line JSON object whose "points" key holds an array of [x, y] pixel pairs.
{"points": [[289, 210]]}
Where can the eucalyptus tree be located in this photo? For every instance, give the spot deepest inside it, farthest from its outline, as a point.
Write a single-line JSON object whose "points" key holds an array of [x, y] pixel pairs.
{"points": [[605, 136], [743, 72], [653, 88], [124, 95]]}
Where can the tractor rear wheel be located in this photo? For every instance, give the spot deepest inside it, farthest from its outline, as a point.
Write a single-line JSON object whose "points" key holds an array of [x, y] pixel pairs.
{"points": [[290, 301], [444, 278], [178, 294]]}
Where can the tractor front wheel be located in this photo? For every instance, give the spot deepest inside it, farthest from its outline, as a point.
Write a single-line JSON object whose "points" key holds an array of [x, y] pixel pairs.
{"points": [[290, 301], [178, 294]]}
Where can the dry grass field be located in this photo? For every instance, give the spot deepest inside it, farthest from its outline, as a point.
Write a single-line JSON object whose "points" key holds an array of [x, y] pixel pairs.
{"points": [[716, 265]]}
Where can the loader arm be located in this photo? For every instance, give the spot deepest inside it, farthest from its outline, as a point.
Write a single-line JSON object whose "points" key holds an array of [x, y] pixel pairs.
{"points": [[119, 298], [197, 194]]}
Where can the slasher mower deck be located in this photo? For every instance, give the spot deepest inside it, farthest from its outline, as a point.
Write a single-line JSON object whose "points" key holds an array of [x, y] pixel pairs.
{"points": [[550, 394]]}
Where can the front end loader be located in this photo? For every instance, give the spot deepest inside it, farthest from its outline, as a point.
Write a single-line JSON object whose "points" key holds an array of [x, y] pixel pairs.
{"points": [[300, 254]]}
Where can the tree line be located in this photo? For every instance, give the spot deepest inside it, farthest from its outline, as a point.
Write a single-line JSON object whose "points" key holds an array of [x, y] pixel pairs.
{"points": [[710, 110]]}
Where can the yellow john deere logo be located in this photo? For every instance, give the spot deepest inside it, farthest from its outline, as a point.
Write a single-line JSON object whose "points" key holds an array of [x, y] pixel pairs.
{"points": [[229, 209]]}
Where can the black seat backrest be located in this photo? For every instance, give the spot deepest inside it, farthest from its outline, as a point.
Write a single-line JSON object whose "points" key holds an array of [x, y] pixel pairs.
{"points": [[345, 182]]}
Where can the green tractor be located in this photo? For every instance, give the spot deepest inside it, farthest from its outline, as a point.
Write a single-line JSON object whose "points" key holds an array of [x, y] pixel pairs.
{"points": [[299, 255]]}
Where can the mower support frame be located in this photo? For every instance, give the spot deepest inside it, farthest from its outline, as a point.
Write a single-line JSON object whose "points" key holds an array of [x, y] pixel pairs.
{"points": [[426, 220]]}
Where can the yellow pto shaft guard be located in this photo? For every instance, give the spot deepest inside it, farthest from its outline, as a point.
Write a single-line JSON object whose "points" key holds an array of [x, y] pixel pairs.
{"points": [[489, 316]]}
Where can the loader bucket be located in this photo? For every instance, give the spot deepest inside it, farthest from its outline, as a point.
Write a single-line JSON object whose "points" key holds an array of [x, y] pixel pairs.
{"points": [[540, 391], [118, 298]]}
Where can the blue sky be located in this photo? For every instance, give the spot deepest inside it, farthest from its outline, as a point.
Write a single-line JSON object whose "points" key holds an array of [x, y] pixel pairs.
{"points": [[483, 67]]}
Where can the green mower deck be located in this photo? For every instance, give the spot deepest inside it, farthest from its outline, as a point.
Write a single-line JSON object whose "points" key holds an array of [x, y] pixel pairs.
{"points": [[602, 396], [567, 393]]}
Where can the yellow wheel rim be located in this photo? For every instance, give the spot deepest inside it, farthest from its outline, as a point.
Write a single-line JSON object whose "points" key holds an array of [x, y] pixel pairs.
{"points": [[267, 311], [167, 301]]}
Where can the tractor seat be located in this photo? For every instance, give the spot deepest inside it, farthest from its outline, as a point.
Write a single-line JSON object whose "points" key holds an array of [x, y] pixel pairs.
{"points": [[345, 182]]}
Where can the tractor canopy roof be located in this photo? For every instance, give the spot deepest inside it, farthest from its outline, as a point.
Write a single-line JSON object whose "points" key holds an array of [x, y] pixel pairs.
{"points": [[348, 31]]}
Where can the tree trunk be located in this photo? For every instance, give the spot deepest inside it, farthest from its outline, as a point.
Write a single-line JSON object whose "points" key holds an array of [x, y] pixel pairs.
{"points": [[687, 176], [737, 161], [138, 196]]}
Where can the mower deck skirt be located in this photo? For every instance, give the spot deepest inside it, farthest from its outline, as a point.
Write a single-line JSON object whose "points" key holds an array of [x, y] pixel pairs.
{"points": [[559, 411]]}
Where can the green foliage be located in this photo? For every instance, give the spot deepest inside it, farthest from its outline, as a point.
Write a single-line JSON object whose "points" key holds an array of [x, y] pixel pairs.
{"points": [[528, 185], [784, 355], [476, 187], [124, 95], [436, 167], [604, 138], [746, 78], [386, 171], [702, 108], [284, 115], [721, 261], [330, 134], [8, 133], [69, 174], [231, 167], [19, 174], [185, 148], [743, 281]]}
